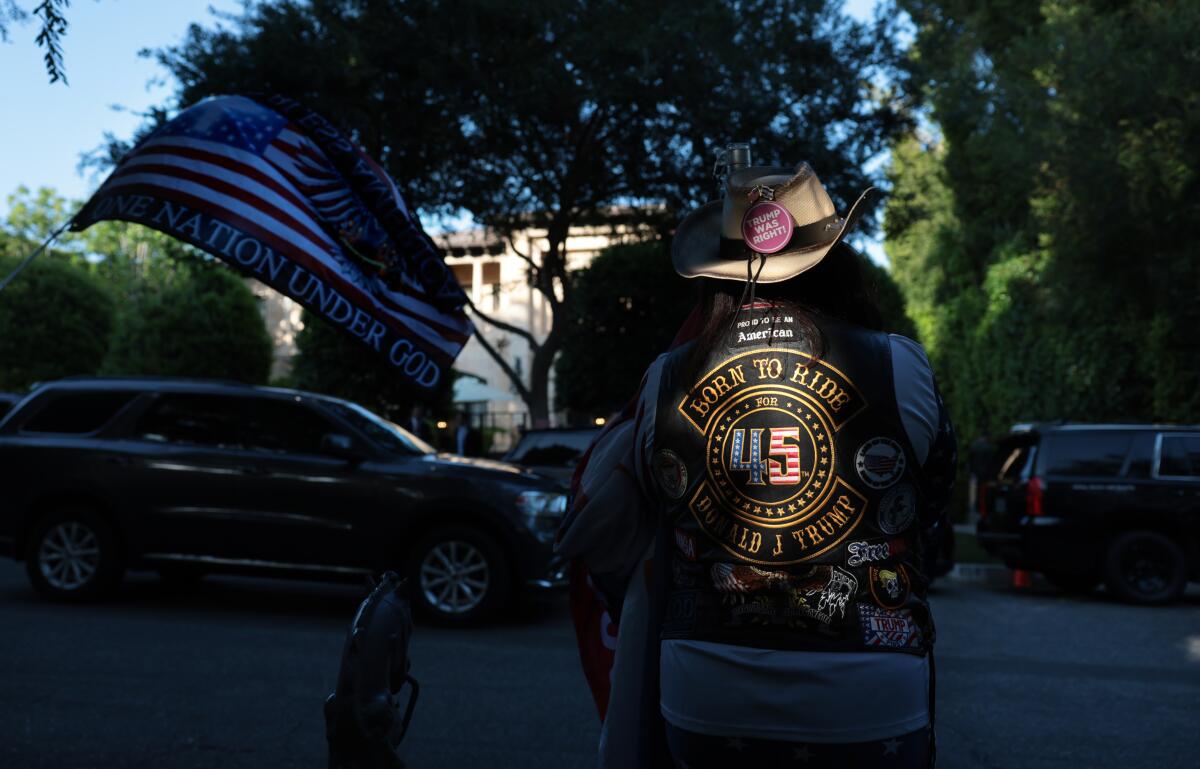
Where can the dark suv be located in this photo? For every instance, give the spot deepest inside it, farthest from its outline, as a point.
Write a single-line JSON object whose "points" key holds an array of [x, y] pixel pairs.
{"points": [[187, 477], [1085, 503], [7, 401], [553, 452]]}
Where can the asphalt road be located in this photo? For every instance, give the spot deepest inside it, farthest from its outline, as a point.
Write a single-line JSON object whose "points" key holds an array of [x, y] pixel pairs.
{"points": [[232, 674]]}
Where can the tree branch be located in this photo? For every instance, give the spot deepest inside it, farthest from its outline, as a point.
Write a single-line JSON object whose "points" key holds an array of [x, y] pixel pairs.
{"points": [[511, 373], [526, 257], [504, 326]]}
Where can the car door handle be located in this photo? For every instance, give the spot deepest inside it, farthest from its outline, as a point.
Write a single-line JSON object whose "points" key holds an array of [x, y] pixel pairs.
{"points": [[116, 459], [252, 470]]}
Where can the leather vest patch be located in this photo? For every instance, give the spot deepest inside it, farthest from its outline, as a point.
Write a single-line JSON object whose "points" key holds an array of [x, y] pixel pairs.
{"points": [[769, 419], [791, 493]]}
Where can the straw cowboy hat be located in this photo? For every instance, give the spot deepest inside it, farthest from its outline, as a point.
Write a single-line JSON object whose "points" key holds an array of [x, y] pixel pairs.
{"points": [[780, 221]]}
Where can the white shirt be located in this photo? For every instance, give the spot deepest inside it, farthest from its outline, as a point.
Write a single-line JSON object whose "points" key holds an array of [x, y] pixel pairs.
{"points": [[729, 690]]}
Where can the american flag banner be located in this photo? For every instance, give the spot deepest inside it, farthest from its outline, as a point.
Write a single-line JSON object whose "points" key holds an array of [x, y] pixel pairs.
{"points": [[275, 190]]}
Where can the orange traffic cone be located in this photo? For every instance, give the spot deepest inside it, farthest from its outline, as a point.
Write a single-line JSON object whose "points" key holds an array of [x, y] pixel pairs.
{"points": [[1021, 578]]}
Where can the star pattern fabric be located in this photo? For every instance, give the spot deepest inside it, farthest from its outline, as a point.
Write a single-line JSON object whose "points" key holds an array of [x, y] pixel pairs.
{"points": [[249, 127]]}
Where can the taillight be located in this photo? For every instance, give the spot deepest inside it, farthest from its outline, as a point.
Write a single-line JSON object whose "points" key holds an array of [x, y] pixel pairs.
{"points": [[981, 492], [1033, 497]]}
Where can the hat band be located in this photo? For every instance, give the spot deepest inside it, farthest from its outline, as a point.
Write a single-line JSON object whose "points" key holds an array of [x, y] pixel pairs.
{"points": [[808, 236]]}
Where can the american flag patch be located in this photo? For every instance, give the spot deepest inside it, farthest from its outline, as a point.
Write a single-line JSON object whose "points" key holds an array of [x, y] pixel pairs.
{"points": [[880, 464]]}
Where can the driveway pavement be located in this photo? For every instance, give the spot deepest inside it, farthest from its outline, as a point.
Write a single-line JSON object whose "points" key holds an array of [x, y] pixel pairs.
{"points": [[232, 674]]}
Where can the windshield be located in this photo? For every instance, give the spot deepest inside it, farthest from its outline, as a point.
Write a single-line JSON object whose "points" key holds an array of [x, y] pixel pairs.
{"points": [[391, 437], [554, 448]]}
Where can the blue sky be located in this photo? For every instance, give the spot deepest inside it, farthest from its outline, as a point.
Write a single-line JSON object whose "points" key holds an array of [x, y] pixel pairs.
{"points": [[48, 127]]}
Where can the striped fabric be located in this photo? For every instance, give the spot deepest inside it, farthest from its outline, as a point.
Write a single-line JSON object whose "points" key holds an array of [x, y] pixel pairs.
{"points": [[252, 187]]}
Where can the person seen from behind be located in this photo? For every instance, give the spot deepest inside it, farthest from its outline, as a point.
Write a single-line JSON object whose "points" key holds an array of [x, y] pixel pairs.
{"points": [[467, 440], [754, 522]]}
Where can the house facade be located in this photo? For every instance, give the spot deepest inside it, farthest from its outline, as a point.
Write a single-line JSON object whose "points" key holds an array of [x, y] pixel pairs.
{"points": [[495, 275]]}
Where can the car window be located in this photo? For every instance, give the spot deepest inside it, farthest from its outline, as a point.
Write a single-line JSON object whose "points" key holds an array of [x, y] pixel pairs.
{"points": [[388, 435], [1096, 454], [552, 449], [76, 413], [1141, 455], [1179, 457], [528, 442], [1013, 462], [196, 420], [283, 426]]}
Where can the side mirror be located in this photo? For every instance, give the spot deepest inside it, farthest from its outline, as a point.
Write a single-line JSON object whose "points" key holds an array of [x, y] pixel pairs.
{"points": [[341, 446]]}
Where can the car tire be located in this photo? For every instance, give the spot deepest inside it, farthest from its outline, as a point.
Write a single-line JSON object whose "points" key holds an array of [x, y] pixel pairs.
{"points": [[74, 555], [1145, 567], [459, 575], [1075, 584]]}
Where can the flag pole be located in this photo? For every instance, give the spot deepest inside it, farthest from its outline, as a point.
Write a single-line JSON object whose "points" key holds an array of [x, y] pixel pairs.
{"points": [[25, 262]]}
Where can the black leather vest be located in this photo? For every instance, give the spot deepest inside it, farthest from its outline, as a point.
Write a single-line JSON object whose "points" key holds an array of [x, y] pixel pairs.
{"points": [[792, 492]]}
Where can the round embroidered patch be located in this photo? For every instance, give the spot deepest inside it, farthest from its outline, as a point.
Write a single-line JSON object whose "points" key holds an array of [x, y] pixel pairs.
{"points": [[889, 587], [898, 509], [670, 472], [772, 457], [769, 491], [767, 227], [880, 462]]}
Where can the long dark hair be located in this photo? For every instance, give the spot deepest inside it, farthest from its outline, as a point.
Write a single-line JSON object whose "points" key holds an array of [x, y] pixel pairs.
{"points": [[837, 288]]}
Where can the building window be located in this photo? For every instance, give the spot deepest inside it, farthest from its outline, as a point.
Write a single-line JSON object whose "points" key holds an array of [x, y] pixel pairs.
{"points": [[464, 274]]}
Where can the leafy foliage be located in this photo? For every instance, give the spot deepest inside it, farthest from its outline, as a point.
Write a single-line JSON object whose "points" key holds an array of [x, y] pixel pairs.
{"points": [[888, 298], [35, 214], [628, 304], [52, 14], [331, 362], [171, 310], [191, 319], [1046, 242], [54, 26], [605, 110], [55, 319]]}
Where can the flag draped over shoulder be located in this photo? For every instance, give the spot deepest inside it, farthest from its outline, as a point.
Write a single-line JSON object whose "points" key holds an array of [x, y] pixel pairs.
{"points": [[277, 191], [632, 727]]}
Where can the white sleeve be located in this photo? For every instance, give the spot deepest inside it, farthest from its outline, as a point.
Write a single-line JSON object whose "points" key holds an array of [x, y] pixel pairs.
{"points": [[912, 377]]}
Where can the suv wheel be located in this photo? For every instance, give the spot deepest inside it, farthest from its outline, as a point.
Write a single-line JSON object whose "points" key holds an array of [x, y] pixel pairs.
{"points": [[459, 575], [1146, 567], [73, 555]]}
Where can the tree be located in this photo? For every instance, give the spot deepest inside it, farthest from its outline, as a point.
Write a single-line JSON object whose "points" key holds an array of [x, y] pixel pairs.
{"points": [[893, 309], [52, 14], [1045, 238], [331, 362], [35, 215], [172, 310], [628, 305], [550, 114], [194, 321], [55, 320]]}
